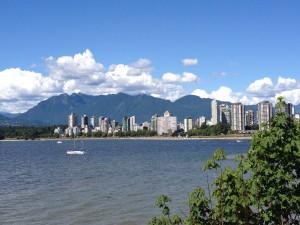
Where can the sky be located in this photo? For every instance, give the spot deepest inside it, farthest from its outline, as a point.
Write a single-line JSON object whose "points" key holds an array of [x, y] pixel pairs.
{"points": [[245, 51]]}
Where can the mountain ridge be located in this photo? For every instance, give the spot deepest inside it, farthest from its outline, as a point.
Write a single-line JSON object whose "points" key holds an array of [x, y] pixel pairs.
{"points": [[55, 110]]}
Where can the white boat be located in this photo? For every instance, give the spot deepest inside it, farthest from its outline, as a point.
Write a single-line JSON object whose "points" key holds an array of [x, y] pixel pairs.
{"points": [[59, 142], [74, 151], [71, 152], [238, 141]]}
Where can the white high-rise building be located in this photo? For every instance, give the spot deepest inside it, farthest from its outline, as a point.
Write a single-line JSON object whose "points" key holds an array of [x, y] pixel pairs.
{"points": [[72, 120], [104, 124], [237, 117], [93, 121], [215, 118], [188, 124], [166, 124], [264, 113], [132, 124]]}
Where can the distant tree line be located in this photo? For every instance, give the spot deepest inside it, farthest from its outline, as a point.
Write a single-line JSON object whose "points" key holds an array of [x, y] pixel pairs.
{"points": [[214, 130], [24, 132]]}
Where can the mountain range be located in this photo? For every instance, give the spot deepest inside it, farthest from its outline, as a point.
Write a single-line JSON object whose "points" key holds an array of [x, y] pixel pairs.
{"points": [[55, 110]]}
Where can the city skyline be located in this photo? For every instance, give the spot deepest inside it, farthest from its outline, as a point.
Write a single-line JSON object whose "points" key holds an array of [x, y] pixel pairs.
{"points": [[248, 56], [234, 116]]}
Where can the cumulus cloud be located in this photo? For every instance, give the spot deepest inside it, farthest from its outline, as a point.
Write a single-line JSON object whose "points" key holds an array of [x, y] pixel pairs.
{"points": [[221, 94], [186, 77], [22, 89], [18, 85], [292, 96], [80, 66], [262, 87], [190, 61], [259, 90]]}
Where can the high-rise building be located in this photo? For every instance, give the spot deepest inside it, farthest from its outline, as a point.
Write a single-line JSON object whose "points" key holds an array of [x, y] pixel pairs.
{"points": [[166, 124], [264, 113], [249, 118], [215, 118], [125, 123], [237, 116], [188, 124], [290, 110], [114, 124], [93, 121], [104, 124], [153, 125], [72, 120], [84, 121], [131, 125], [200, 121], [224, 114]]}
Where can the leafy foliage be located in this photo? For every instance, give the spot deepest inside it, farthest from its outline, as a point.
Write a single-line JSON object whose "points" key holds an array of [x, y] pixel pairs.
{"points": [[264, 188], [204, 130]]}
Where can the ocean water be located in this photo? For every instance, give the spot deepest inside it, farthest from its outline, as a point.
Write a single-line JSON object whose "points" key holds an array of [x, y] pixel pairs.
{"points": [[115, 183]]}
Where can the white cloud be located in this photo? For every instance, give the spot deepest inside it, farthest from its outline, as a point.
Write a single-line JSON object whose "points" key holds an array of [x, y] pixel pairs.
{"points": [[190, 61], [186, 77], [292, 96], [201, 93], [189, 77], [171, 77], [21, 89], [221, 94], [286, 84], [257, 91], [18, 85], [263, 87], [82, 66]]}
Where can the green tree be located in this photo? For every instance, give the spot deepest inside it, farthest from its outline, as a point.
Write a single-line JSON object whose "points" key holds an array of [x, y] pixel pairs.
{"points": [[264, 187]]}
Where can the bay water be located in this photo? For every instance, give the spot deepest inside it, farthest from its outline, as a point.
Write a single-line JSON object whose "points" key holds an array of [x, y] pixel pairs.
{"points": [[115, 183]]}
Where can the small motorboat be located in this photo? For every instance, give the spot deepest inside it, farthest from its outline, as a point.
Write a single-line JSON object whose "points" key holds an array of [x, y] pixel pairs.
{"points": [[71, 152], [59, 142], [238, 141]]}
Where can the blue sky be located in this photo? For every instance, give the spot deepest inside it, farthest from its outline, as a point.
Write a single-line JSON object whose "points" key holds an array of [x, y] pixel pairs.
{"points": [[235, 42]]}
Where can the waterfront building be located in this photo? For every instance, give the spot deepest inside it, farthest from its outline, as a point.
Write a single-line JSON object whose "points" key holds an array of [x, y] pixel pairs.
{"points": [[166, 124], [125, 123], [114, 125], [93, 122], [132, 124], [264, 113], [200, 121], [153, 125], [215, 117], [237, 117], [104, 124], [76, 131], [72, 120], [84, 121], [225, 114], [188, 124], [249, 118], [58, 131], [145, 125]]}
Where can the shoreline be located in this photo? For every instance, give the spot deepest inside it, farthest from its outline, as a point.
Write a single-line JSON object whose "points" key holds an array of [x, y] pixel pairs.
{"points": [[156, 138]]}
